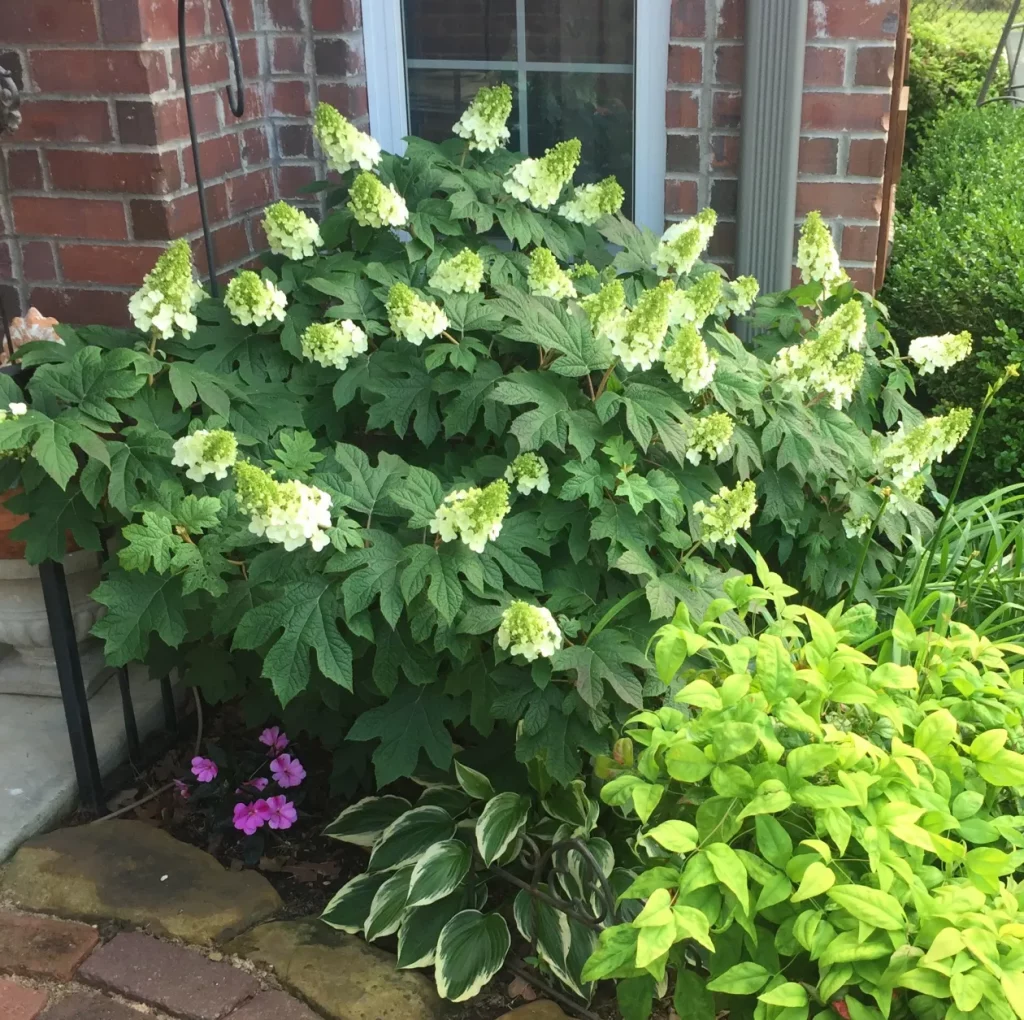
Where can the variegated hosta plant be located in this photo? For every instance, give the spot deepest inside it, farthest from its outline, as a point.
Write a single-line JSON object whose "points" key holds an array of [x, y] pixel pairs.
{"points": [[823, 832], [441, 463], [432, 878]]}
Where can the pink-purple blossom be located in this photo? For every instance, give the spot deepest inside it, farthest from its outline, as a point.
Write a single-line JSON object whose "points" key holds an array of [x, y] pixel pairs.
{"points": [[204, 769], [250, 817], [260, 783], [282, 812], [182, 789], [288, 771], [275, 739]]}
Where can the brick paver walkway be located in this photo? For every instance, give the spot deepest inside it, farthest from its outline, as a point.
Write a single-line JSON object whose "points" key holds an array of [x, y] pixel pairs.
{"points": [[59, 970]]}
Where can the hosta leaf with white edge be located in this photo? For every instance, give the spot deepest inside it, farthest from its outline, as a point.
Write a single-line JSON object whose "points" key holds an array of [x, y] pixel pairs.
{"points": [[388, 905], [471, 949], [553, 932], [362, 823], [439, 871], [476, 784], [501, 820], [421, 927], [350, 905], [409, 836]]}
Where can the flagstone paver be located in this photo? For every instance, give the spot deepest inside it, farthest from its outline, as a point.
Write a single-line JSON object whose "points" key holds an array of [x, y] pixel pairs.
{"points": [[272, 1006], [19, 1002], [179, 980], [91, 1006], [43, 947]]}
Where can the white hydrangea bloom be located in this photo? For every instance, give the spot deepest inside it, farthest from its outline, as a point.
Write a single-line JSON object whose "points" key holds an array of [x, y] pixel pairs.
{"points": [[856, 525], [709, 436], [333, 344], [285, 513], [683, 243], [547, 278], [462, 273], [529, 472], [909, 453], [606, 311], [343, 143], [168, 295], [731, 511], [473, 515], [939, 352], [740, 295], [206, 452], [483, 124], [816, 256], [592, 202], [531, 631], [541, 181], [290, 232], [16, 409], [252, 301], [375, 204], [643, 336], [411, 317], [698, 301], [688, 360]]}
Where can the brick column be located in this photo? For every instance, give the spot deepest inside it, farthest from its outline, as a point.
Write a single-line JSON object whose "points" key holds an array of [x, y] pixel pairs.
{"points": [[848, 76], [100, 175]]}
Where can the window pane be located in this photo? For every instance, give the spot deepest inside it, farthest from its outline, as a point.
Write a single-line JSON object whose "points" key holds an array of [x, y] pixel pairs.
{"points": [[437, 99], [460, 29], [595, 108], [580, 31]]}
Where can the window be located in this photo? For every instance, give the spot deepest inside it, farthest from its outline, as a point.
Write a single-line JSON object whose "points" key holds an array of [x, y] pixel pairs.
{"points": [[591, 69]]}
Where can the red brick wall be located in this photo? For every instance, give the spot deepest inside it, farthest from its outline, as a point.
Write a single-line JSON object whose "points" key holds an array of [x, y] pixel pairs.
{"points": [[847, 84], [100, 174]]}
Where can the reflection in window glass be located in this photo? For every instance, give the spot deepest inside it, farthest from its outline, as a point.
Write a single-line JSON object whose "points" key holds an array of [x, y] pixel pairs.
{"points": [[460, 29], [580, 31], [438, 97]]}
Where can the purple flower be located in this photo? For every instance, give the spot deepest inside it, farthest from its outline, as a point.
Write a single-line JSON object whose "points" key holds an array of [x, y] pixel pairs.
{"points": [[288, 771], [259, 784], [274, 739], [282, 812], [250, 817], [181, 788], [204, 770]]}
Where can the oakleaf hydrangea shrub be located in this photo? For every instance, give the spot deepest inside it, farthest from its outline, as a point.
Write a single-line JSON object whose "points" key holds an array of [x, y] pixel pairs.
{"points": [[820, 829], [498, 434]]}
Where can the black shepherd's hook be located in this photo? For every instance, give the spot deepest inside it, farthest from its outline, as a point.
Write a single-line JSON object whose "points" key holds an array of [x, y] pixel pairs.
{"points": [[236, 103]]}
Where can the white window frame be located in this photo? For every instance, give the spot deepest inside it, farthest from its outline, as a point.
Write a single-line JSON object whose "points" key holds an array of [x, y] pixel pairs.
{"points": [[384, 45]]}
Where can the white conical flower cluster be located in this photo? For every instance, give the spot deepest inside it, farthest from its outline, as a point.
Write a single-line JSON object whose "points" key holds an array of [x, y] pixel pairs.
{"points": [[541, 181], [688, 360], [285, 513], [168, 295], [472, 515], [531, 631], [939, 352], [698, 301], [683, 243], [375, 204], [546, 277], [828, 362], [908, 453], [592, 202], [606, 311], [290, 232], [206, 452], [462, 273], [343, 143], [817, 258], [529, 472], [740, 295], [709, 436], [411, 317], [856, 525], [730, 512], [483, 124], [643, 335], [333, 344], [252, 301]]}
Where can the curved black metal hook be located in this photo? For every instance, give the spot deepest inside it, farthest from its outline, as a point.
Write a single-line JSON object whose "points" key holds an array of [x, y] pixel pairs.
{"points": [[236, 103]]}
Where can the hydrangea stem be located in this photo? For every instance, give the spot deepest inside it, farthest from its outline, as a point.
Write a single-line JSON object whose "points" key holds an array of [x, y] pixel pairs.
{"points": [[604, 380], [866, 544]]}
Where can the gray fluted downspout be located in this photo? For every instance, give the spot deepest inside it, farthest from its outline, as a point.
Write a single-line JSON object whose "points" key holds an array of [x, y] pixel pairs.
{"points": [[770, 142]]}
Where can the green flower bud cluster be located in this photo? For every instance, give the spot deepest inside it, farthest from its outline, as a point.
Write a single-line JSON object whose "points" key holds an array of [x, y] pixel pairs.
{"points": [[411, 317], [483, 124], [168, 295], [730, 512], [582, 271], [375, 204], [473, 515], [333, 344], [709, 436], [206, 452], [592, 202], [463, 273], [529, 472], [531, 631], [547, 278], [698, 301], [252, 301], [816, 256], [285, 513], [541, 181], [740, 295], [688, 360], [606, 310], [908, 453], [683, 243], [343, 143], [640, 344], [290, 232]]}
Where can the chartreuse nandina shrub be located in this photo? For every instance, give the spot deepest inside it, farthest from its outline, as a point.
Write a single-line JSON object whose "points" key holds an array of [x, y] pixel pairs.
{"points": [[823, 830], [418, 478]]}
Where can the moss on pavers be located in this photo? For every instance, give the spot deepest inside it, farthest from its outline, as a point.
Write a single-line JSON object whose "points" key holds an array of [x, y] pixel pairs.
{"points": [[140, 875], [339, 975]]}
